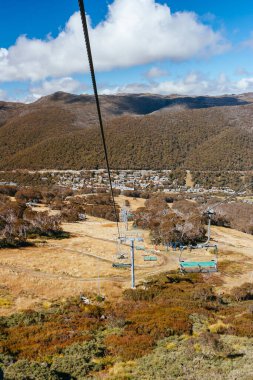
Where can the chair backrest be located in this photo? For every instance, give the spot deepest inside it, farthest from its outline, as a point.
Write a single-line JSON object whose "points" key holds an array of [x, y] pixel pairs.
{"points": [[198, 266], [150, 258], [119, 265]]}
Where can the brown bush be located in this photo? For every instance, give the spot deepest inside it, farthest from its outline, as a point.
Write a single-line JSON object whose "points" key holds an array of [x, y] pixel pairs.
{"points": [[99, 199], [101, 211], [236, 214], [127, 203], [160, 321], [8, 190], [241, 325], [13, 229], [132, 193], [73, 213], [184, 223], [129, 346], [28, 195], [41, 223], [204, 294], [243, 292]]}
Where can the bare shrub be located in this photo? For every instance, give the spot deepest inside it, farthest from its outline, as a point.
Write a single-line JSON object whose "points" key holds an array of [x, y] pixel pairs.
{"points": [[8, 190], [73, 213], [243, 292], [183, 223], [28, 195]]}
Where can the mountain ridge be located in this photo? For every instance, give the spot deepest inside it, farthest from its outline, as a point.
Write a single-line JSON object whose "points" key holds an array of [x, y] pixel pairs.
{"points": [[60, 131]]}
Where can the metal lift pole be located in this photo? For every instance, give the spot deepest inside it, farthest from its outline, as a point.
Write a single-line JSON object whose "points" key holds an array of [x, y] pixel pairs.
{"points": [[99, 285], [209, 229], [125, 218], [210, 213], [132, 264]]}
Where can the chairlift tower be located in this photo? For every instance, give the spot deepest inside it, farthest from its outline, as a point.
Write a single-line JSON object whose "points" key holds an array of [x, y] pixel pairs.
{"points": [[124, 217], [210, 213], [131, 240], [132, 249], [132, 265], [127, 238]]}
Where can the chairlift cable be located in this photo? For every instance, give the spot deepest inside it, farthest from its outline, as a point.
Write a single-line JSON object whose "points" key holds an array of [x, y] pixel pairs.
{"points": [[94, 83]]}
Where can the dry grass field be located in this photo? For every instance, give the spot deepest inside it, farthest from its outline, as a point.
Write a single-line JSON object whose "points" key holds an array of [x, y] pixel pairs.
{"points": [[82, 264]]}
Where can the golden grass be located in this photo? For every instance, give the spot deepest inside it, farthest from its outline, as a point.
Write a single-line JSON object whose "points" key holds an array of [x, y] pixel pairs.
{"points": [[5, 302], [233, 268], [218, 327]]}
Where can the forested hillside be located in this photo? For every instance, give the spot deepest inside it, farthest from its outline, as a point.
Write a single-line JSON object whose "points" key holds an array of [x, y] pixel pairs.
{"points": [[143, 131]]}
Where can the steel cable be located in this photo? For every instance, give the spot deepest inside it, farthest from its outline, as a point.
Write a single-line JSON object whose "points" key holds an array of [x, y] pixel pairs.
{"points": [[94, 83]]}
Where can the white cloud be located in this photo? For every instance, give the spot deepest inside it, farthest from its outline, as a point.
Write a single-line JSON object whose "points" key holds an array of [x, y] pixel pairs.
{"points": [[3, 95], [245, 84], [156, 72], [192, 84], [134, 32], [66, 84]]}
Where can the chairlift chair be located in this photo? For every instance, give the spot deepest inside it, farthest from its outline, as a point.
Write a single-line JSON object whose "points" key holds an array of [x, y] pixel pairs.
{"points": [[121, 265], [121, 250], [122, 254], [199, 266], [140, 248], [150, 258]]}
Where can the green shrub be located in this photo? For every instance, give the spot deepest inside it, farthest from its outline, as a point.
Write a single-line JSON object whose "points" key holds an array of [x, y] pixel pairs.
{"points": [[79, 359], [25, 370]]}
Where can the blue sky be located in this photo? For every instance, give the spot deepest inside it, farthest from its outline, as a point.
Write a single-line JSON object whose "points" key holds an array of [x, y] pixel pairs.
{"points": [[175, 46]]}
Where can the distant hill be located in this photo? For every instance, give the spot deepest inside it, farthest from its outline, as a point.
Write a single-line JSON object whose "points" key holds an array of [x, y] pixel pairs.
{"points": [[60, 131]]}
